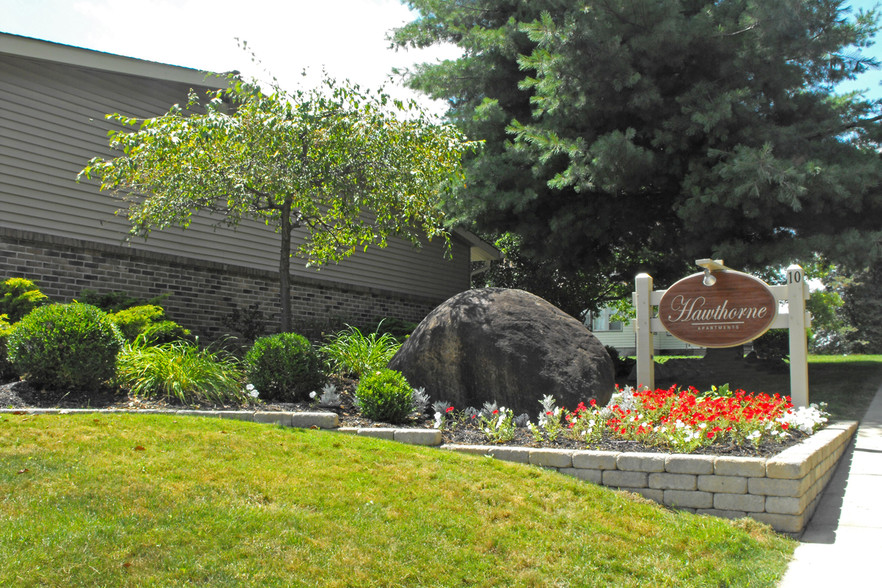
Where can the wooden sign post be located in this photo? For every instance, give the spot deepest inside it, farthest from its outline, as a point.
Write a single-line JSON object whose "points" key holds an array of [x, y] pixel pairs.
{"points": [[721, 307]]}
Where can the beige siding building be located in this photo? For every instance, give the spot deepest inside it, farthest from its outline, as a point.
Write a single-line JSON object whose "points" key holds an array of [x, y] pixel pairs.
{"points": [[68, 237], [621, 336]]}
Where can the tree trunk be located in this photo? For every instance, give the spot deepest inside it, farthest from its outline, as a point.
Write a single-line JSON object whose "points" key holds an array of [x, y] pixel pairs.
{"points": [[285, 269]]}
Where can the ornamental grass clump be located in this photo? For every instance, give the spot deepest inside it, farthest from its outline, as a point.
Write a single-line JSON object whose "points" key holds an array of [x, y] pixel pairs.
{"points": [[181, 372], [352, 353]]}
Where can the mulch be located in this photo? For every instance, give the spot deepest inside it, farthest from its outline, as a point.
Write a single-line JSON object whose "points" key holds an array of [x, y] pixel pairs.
{"points": [[20, 395]]}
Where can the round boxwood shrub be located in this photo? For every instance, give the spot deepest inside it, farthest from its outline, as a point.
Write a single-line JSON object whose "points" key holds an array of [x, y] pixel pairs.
{"points": [[65, 346], [384, 395], [283, 367]]}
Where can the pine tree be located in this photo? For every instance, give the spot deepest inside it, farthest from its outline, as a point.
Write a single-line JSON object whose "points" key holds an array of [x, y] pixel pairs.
{"points": [[640, 135]]}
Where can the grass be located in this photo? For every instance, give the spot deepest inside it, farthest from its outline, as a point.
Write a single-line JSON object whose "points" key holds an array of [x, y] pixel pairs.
{"points": [[181, 371], [353, 353], [157, 500], [847, 383]]}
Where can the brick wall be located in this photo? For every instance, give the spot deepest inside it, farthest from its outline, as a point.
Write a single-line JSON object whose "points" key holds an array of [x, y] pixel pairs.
{"points": [[201, 295]]}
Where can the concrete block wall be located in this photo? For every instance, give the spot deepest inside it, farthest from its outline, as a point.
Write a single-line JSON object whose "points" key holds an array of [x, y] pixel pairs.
{"points": [[781, 491], [201, 295]]}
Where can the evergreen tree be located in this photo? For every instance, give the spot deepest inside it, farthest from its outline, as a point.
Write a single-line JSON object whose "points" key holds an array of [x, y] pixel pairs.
{"points": [[639, 135]]}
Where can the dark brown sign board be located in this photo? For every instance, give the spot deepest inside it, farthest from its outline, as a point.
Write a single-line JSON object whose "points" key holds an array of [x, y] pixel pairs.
{"points": [[733, 309]]}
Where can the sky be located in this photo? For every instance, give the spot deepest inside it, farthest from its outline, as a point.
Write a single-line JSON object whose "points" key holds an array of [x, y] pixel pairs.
{"points": [[346, 37]]}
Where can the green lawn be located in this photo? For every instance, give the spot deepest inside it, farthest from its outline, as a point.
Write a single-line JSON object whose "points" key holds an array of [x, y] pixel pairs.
{"points": [[155, 500]]}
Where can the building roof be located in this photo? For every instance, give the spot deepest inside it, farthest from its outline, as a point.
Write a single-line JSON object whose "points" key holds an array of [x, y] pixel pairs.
{"points": [[77, 56]]}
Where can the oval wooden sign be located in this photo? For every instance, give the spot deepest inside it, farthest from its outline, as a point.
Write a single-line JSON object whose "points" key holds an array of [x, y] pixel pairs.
{"points": [[735, 309]]}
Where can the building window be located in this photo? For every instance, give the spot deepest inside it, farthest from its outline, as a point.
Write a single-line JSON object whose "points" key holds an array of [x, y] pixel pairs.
{"points": [[601, 321]]}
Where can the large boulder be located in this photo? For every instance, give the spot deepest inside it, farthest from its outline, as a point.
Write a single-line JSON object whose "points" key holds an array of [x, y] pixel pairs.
{"points": [[505, 346]]}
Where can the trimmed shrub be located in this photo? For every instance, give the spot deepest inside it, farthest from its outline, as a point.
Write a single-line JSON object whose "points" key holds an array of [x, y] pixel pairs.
{"points": [[149, 320], [385, 396], [65, 346], [180, 371], [283, 367], [18, 297]]}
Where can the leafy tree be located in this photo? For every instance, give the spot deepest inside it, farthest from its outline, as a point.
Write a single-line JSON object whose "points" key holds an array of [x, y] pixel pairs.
{"points": [[340, 167], [639, 135]]}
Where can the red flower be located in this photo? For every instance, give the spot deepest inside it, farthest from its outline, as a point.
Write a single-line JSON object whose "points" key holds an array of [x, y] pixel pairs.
{"points": [[449, 409]]}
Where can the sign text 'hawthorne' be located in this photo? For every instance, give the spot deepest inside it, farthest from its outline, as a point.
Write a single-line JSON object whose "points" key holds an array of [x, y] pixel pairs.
{"points": [[733, 309]]}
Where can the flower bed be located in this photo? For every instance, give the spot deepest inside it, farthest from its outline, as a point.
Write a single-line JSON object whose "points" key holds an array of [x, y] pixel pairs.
{"points": [[671, 420]]}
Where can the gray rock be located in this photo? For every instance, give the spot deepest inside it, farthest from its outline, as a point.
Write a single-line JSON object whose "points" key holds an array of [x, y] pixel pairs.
{"points": [[505, 346]]}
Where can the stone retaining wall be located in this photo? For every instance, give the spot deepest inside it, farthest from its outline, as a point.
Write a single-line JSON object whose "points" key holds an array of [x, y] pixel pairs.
{"points": [[782, 490]]}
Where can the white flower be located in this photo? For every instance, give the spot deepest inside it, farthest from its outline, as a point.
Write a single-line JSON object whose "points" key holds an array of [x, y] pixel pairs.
{"points": [[312, 394], [806, 419]]}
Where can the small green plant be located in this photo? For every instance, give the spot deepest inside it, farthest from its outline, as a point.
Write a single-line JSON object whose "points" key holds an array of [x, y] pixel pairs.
{"points": [[400, 329], [550, 425], [182, 372], [499, 426], [18, 297], [6, 370], [384, 395], [284, 367], [65, 346], [116, 301], [350, 352], [149, 320], [250, 322]]}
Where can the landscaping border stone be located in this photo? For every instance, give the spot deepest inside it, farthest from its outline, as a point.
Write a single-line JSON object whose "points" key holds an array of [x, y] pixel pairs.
{"points": [[782, 490]]}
